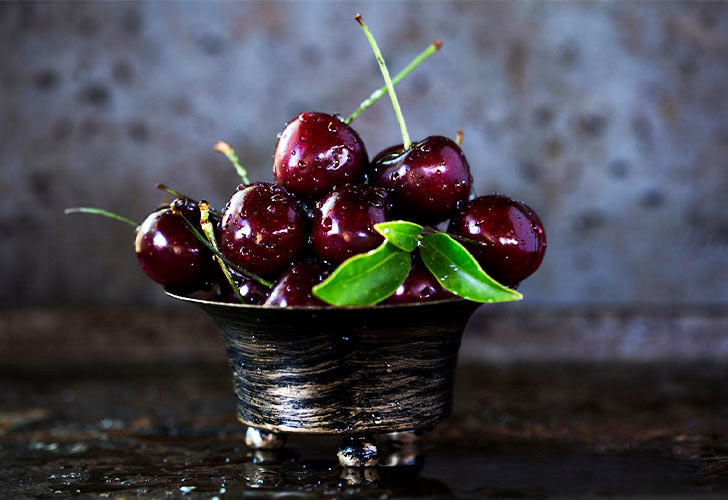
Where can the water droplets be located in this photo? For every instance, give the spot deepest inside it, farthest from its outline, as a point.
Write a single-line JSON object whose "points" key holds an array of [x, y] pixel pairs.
{"points": [[333, 128]]}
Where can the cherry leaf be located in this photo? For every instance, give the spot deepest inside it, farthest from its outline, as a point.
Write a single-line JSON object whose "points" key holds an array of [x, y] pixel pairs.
{"points": [[458, 271], [367, 278], [400, 233]]}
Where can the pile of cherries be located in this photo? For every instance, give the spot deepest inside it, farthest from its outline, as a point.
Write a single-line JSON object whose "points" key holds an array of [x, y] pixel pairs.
{"points": [[322, 209], [282, 238]]}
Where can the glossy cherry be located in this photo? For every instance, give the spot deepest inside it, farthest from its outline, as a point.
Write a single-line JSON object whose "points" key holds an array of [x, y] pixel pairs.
{"points": [[316, 152], [294, 286], [262, 228], [344, 219], [512, 238], [170, 254], [420, 286], [251, 291], [427, 181]]}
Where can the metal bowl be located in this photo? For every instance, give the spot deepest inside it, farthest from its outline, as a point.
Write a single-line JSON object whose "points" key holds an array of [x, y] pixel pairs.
{"points": [[350, 371]]}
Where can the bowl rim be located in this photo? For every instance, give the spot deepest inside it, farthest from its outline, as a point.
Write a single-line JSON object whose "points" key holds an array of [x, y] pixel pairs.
{"points": [[411, 305]]}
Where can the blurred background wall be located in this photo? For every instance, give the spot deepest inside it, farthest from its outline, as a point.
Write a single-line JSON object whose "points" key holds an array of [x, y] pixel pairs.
{"points": [[609, 119]]}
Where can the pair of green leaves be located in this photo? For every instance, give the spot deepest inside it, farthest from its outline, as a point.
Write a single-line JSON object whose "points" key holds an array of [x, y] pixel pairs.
{"points": [[371, 277]]}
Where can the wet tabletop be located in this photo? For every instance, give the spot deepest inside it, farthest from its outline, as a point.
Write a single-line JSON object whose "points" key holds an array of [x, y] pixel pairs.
{"points": [[519, 431]]}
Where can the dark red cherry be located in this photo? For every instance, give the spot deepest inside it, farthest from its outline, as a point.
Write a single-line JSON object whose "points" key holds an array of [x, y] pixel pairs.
{"points": [[252, 292], [512, 236], [343, 223], [294, 286], [427, 181], [316, 152], [170, 254], [420, 286], [262, 228]]}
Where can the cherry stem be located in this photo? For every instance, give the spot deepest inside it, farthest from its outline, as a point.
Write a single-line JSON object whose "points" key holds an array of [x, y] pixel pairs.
{"points": [[100, 211], [459, 137], [215, 252], [406, 142], [380, 92], [177, 194], [229, 152], [209, 231]]}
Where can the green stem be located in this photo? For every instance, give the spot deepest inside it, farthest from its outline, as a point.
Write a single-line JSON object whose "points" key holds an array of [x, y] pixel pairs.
{"points": [[209, 231], [229, 152], [406, 142], [100, 211], [217, 253], [380, 92], [177, 194]]}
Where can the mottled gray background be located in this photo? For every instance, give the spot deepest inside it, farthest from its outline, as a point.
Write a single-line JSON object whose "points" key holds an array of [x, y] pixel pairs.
{"points": [[610, 119]]}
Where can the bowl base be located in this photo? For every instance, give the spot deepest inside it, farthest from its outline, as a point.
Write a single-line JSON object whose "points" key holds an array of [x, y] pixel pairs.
{"points": [[399, 448]]}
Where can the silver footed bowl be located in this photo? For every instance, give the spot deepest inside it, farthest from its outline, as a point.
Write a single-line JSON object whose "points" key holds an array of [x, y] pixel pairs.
{"points": [[350, 371]]}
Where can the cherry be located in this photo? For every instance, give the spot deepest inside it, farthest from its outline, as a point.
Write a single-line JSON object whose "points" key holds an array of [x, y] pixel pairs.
{"points": [[512, 238], [251, 291], [262, 228], [343, 223], [316, 152], [170, 254], [427, 181], [420, 286], [294, 286]]}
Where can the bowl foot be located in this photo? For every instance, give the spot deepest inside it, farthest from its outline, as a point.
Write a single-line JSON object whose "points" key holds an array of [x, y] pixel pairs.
{"points": [[259, 439], [363, 476], [358, 451]]}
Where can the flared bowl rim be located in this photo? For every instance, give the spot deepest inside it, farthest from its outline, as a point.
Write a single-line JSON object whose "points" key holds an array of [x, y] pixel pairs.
{"points": [[252, 307]]}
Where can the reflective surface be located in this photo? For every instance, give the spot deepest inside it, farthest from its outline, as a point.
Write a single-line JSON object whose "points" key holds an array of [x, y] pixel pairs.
{"points": [[535, 431]]}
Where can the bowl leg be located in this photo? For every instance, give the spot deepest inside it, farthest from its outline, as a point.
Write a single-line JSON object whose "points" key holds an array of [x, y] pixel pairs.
{"points": [[358, 451], [259, 439]]}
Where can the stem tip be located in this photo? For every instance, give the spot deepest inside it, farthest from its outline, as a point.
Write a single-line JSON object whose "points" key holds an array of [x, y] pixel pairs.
{"points": [[223, 147]]}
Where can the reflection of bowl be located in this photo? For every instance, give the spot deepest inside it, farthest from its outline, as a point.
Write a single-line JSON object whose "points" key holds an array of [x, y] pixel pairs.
{"points": [[348, 371]]}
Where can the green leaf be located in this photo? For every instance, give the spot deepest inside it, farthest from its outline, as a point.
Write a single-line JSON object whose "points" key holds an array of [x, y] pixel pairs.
{"points": [[400, 233], [367, 278], [459, 272]]}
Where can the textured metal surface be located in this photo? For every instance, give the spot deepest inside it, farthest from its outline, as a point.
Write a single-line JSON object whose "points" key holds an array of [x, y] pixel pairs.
{"points": [[348, 372], [529, 431], [610, 119]]}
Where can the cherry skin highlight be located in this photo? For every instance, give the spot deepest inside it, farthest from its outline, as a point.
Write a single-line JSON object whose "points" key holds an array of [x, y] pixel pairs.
{"points": [[344, 219], [427, 181], [294, 286], [251, 291], [262, 228], [420, 286], [513, 241], [171, 255], [316, 152]]}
